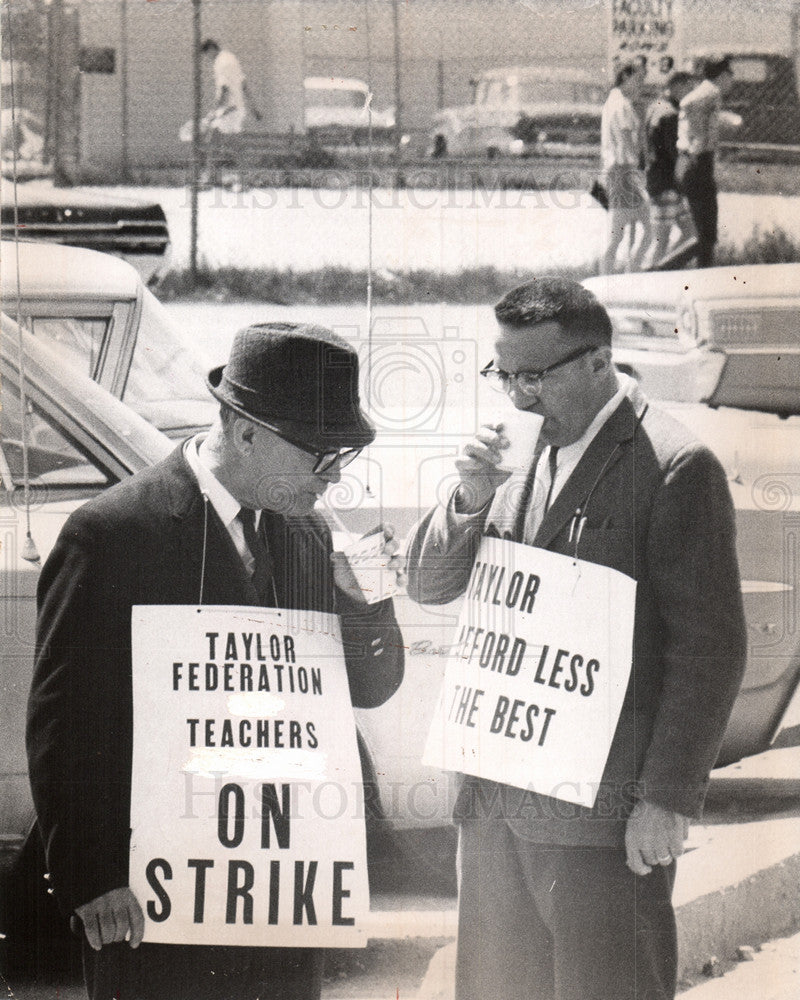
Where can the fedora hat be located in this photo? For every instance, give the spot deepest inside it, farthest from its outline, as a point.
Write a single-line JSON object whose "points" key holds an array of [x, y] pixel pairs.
{"points": [[298, 379]]}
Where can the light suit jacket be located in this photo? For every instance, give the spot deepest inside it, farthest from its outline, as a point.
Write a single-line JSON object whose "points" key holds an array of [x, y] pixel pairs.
{"points": [[657, 508]]}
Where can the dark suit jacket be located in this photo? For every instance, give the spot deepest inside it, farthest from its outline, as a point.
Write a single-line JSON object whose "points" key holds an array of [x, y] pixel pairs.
{"points": [[142, 542], [657, 508]]}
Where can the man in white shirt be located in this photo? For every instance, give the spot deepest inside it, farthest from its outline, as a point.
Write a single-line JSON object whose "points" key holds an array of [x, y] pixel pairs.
{"points": [[557, 900], [699, 116], [231, 95]]}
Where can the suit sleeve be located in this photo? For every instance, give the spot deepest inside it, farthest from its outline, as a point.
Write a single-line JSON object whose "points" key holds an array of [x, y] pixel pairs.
{"points": [[373, 644], [373, 649], [77, 729], [694, 573], [441, 552]]}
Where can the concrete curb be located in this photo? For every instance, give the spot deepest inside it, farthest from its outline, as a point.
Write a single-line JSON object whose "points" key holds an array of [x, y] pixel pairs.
{"points": [[745, 899], [737, 885]]}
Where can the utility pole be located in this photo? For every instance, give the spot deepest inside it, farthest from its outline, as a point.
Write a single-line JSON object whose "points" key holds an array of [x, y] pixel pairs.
{"points": [[124, 159], [196, 140], [57, 36], [398, 100]]}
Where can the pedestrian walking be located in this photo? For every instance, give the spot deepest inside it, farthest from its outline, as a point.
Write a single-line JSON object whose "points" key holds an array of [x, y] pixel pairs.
{"points": [[699, 117], [622, 158], [668, 208]]}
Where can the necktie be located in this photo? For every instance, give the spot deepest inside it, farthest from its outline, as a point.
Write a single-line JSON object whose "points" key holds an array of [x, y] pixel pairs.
{"points": [[552, 460], [262, 568]]}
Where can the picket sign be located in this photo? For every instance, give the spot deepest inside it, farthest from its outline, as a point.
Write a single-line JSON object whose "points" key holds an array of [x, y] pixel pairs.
{"points": [[535, 681], [247, 810]]}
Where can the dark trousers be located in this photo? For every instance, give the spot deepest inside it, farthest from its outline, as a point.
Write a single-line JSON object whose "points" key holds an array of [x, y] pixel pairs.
{"points": [[543, 922], [178, 972], [695, 177]]}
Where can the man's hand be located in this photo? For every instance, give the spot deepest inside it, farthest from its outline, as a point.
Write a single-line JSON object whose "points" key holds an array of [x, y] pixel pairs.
{"points": [[114, 916], [653, 836], [343, 574], [480, 475]]}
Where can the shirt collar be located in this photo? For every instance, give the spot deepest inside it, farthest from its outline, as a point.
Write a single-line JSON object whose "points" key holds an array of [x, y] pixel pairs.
{"points": [[625, 386], [221, 500]]}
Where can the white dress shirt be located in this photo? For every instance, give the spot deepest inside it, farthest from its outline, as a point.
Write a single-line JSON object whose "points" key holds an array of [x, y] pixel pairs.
{"points": [[567, 460], [221, 500]]}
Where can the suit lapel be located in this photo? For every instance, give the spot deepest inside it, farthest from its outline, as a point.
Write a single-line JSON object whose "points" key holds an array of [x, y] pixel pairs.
{"points": [[204, 538], [603, 452]]}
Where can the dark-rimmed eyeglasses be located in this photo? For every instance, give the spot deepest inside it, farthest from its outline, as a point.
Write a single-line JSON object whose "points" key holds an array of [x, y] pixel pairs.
{"points": [[529, 383], [326, 458]]}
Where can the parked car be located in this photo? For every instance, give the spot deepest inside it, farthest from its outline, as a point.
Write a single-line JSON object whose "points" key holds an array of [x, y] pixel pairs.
{"points": [[108, 326], [765, 93], [712, 346], [524, 110], [724, 336], [127, 227], [336, 112]]}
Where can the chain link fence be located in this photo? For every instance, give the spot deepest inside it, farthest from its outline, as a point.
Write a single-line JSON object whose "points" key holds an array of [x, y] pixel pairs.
{"points": [[103, 86]]}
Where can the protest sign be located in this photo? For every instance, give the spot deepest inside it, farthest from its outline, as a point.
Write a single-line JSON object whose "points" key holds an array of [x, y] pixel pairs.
{"points": [[246, 804], [650, 28], [535, 681]]}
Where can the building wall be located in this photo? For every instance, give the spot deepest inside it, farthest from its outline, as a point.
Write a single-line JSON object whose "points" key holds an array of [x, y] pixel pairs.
{"points": [[443, 44]]}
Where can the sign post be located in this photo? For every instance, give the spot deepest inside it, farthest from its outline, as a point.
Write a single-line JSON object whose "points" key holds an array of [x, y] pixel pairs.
{"points": [[651, 28]]}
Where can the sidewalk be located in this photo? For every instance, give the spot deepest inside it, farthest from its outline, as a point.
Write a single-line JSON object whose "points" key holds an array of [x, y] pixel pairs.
{"points": [[737, 886], [773, 974]]}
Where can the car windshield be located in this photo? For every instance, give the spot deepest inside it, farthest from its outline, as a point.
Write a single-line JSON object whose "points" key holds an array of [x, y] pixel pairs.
{"points": [[749, 69], [557, 91], [166, 382], [336, 98]]}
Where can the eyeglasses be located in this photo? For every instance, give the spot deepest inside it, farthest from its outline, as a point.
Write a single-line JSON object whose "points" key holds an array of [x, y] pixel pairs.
{"points": [[528, 383], [326, 459]]}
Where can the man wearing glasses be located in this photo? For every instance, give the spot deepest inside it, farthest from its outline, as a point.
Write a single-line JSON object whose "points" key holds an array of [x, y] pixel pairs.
{"points": [[559, 900], [227, 519]]}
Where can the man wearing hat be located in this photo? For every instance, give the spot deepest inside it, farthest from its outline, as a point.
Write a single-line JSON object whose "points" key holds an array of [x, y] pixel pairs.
{"points": [[227, 518]]}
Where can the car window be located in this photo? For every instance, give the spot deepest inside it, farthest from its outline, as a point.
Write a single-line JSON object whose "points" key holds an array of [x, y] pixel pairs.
{"points": [[749, 70], [166, 383], [54, 459], [555, 91], [163, 368], [497, 91], [79, 339]]}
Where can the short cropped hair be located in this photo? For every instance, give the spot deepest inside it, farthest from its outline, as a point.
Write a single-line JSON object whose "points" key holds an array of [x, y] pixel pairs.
{"points": [[678, 79], [561, 300], [625, 72], [715, 66]]}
